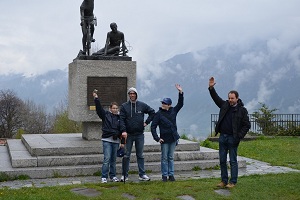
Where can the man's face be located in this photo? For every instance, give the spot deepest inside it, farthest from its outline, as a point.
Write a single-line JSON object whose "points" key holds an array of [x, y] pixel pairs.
{"points": [[232, 99], [132, 96]]}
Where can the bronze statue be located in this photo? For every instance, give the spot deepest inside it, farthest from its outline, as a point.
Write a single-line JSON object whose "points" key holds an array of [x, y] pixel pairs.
{"points": [[113, 42], [87, 24]]}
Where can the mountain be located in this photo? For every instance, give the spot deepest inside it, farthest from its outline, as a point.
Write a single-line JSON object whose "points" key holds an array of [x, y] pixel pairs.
{"points": [[49, 89], [260, 71]]}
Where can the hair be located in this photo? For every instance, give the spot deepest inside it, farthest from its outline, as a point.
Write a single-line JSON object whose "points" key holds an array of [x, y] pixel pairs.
{"points": [[113, 104], [234, 92]]}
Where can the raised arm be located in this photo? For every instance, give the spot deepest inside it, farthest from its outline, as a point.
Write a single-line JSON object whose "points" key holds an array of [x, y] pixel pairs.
{"points": [[99, 109], [218, 100], [179, 104]]}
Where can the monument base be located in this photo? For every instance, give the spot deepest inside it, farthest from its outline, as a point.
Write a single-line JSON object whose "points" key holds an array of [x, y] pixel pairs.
{"points": [[111, 78], [91, 130]]}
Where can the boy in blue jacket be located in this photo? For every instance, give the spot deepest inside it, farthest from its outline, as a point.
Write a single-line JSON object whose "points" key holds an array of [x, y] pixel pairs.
{"points": [[165, 119]]}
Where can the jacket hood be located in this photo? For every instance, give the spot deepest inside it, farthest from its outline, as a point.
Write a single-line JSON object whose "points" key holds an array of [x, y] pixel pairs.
{"points": [[240, 102], [132, 89]]}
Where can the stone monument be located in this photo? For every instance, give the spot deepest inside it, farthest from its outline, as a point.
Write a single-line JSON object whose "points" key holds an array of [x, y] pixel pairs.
{"points": [[111, 78]]}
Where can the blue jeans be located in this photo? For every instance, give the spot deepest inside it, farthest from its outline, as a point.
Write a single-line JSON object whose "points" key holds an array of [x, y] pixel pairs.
{"points": [[139, 149], [228, 143], [167, 158], [109, 161]]}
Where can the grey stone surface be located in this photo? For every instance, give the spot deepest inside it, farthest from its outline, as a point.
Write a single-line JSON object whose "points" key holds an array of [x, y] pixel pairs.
{"points": [[223, 192], [188, 164], [185, 197], [79, 70], [91, 130], [88, 192]]}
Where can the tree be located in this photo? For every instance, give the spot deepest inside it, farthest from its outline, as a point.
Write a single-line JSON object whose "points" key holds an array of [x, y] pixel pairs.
{"points": [[62, 123], [11, 108], [35, 119], [264, 119]]}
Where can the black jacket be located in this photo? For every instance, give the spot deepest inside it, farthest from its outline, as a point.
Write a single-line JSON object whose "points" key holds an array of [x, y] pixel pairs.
{"points": [[110, 121], [132, 116], [166, 121], [240, 118]]}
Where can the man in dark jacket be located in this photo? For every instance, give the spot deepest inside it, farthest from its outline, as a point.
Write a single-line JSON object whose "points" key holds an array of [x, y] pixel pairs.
{"points": [[165, 119], [233, 124], [132, 124]]}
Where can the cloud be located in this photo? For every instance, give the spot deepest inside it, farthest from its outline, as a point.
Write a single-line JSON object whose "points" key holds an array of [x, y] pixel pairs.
{"points": [[47, 35]]}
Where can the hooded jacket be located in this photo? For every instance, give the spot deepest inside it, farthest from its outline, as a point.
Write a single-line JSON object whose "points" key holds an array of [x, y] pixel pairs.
{"points": [[132, 115], [166, 121], [110, 122], [240, 119]]}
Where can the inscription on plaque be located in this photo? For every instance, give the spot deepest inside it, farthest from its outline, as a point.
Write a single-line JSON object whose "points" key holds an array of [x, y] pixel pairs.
{"points": [[109, 89]]}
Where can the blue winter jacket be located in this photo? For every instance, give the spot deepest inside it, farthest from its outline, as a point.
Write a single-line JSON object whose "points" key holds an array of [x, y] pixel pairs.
{"points": [[166, 121]]}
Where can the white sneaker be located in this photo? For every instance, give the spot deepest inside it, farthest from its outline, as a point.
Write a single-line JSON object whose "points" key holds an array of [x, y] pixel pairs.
{"points": [[122, 179], [103, 180], [144, 178], [114, 179]]}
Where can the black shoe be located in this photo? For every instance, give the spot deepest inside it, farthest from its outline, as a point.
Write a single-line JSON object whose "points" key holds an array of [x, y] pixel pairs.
{"points": [[93, 40], [164, 178], [171, 178]]}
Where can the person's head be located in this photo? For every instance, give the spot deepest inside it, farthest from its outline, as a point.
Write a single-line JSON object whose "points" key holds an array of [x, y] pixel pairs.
{"points": [[233, 97], [132, 93], [114, 27], [166, 103], [114, 108]]}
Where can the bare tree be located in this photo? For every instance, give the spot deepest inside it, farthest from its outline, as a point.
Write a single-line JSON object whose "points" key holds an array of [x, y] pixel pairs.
{"points": [[10, 113], [35, 119]]}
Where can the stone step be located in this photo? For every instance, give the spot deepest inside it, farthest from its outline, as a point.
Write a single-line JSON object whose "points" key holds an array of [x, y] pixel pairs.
{"points": [[73, 144], [21, 158], [86, 170]]}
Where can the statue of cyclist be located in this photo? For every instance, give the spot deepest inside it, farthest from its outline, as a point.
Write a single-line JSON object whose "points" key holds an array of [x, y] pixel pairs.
{"points": [[87, 16]]}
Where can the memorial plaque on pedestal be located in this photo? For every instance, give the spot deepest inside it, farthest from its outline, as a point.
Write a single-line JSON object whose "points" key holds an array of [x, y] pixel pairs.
{"points": [[110, 89]]}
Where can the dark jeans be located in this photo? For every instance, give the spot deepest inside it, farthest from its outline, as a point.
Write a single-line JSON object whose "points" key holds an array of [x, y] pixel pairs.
{"points": [[228, 143], [139, 149]]}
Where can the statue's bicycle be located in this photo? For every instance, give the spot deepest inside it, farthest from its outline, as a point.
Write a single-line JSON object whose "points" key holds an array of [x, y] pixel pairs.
{"points": [[88, 22]]}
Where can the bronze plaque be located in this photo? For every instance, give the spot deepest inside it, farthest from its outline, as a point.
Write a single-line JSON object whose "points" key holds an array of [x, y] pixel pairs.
{"points": [[109, 89]]}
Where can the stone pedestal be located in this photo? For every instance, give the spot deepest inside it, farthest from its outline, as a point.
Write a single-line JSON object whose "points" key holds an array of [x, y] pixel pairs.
{"points": [[79, 72]]}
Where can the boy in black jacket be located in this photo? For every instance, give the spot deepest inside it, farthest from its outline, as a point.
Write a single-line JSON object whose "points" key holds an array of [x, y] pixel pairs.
{"points": [[111, 135]]}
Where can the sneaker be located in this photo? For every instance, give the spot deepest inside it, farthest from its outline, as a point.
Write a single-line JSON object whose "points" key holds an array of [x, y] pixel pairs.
{"points": [[144, 178], [171, 178], [164, 178], [230, 185], [221, 184], [114, 179], [103, 180], [122, 179]]}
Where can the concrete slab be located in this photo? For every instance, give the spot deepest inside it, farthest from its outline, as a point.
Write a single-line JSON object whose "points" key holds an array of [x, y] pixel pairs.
{"points": [[73, 144]]}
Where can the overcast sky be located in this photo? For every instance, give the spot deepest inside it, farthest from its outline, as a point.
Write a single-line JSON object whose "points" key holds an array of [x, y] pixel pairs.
{"points": [[41, 35]]}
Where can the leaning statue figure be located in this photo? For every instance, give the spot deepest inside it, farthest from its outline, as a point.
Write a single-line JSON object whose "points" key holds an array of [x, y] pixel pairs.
{"points": [[113, 42]]}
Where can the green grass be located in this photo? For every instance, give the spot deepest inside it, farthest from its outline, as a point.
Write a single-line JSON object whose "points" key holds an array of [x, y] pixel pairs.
{"points": [[281, 151], [281, 186]]}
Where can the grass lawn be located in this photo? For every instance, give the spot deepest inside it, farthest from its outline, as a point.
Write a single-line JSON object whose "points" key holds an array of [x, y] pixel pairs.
{"points": [[277, 151], [280, 186]]}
